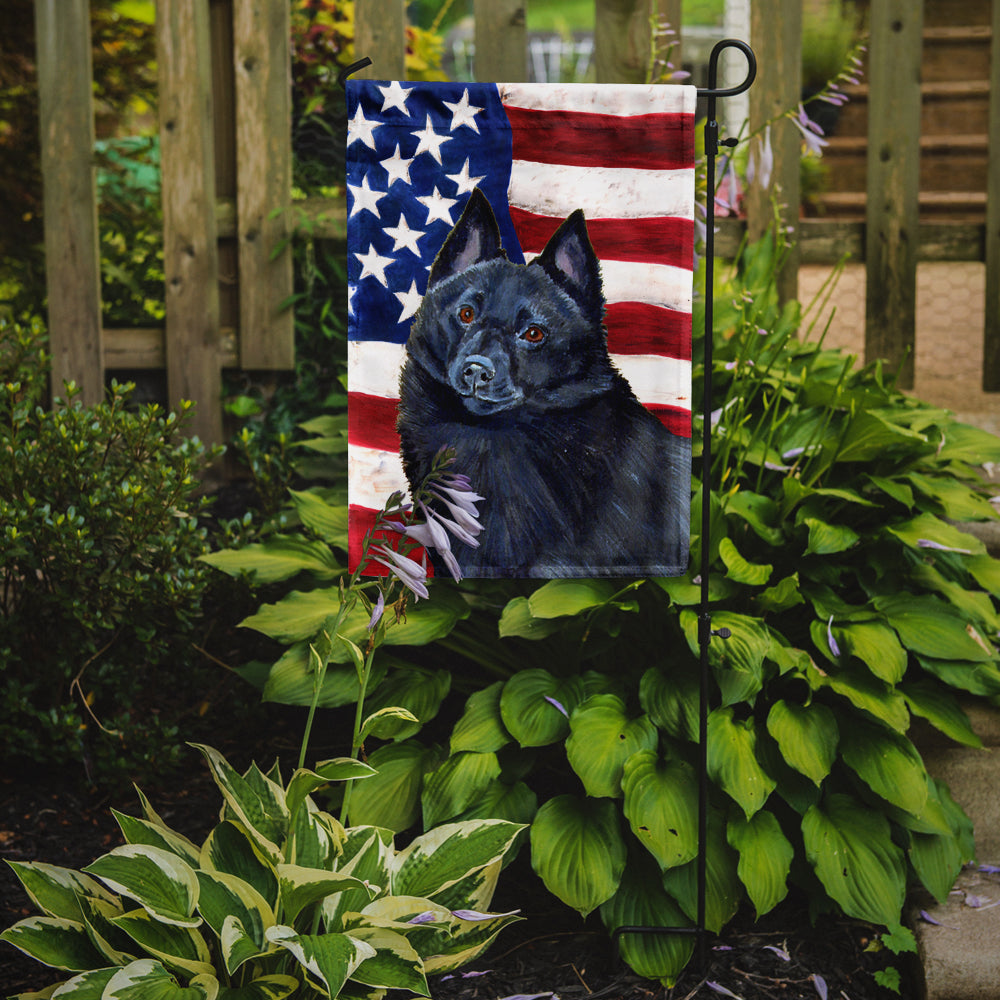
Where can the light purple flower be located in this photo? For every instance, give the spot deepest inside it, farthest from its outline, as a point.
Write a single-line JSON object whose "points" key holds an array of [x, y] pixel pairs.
{"points": [[719, 988], [377, 612], [927, 543], [780, 952], [558, 705], [427, 917], [411, 574], [811, 132], [761, 163], [475, 915], [820, 983], [834, 648]]}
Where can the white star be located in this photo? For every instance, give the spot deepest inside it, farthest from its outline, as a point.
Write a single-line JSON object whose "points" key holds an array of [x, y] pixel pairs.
{"points": [[464, 181], [395, 97], [411, 301], [372, 263], [364, 197], [430, 141], [360, 128], [397, 168], [438, 207], [404, 236], [463, 113]]}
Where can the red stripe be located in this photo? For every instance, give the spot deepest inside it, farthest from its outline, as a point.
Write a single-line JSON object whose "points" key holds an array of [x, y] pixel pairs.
{"points": [[360, 520], [584, 139], [371, 421], [676, 420], [658, 240], [640, 328]]}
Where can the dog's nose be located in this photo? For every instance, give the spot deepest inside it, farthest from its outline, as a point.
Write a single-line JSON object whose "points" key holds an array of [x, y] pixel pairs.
{"points": [[477, 369]]}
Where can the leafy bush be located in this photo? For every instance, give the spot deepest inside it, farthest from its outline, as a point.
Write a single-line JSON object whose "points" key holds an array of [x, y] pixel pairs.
{"points": [[854, 601], [99, 539], [279, 899]]}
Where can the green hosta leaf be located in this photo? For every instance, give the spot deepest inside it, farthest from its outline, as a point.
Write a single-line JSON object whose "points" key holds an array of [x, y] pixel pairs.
{"points": [[558, 598], [976, 678], [965, 443], [260, 809], [367, 853], [230, 849], [86, 986], [516, 803], [723, 889], [225, 897], [765, 858], [327, 520], [530, 706], [291, 680], [783, 595], [279, 558], [517, 620], [578, 851], [481, 728], [684, 592], [395, 964], [641, 901], [739, 569], [330, 959], [661, 799], [973, 604], [301, 887], [807, 736], [758, 511], [386, 723], [456, 784], [986, 572], [671, 700], [941, 709], [391, 798], [238, 944], [937, 859], [931, 628], [147, 979], [732, 760], [141, 831], [56, 891], [180, 948], [869, 436], [304, 782], [438, 859], [738, 661], [893, 488], [159, 881], [828, 539], [876, 646], [275, 987], [466, 940], [315, 839], [865, 692], [54, 941], [957, 501], [417, 690], [888, 763], [602, 738], [928, 528], [850, 847]]}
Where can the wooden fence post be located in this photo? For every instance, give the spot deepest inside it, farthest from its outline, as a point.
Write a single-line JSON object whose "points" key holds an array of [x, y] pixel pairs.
{"points": [[190, 251], [893, 183], [380, 34], [262, 60], [776, 35], [501, 40], [991, 332], [622, 40], [72, 255]]}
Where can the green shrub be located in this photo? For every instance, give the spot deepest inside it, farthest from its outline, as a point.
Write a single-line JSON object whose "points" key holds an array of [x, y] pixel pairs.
{"points": [[280, 899], [855, 604], [99, 540]]}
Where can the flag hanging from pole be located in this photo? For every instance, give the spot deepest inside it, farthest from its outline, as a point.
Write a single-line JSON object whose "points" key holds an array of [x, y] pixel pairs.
{"points": [[520, 280]]}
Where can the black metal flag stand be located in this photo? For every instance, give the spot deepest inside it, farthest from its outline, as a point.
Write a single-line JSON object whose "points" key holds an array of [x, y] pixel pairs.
{"points": [[705, 631]]}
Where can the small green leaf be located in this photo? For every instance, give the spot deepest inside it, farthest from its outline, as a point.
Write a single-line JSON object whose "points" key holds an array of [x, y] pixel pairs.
{"points": [[535, 706], [732, 760], [56, 891], [888, 763], [147, 979], [559, 598], [671, 700], [807, 736], [327, 520], [828, 539], [456, 784], [517, 620], [739, 569], [180, 948], [932, 628], [936, 704], [301, 887], [391, 798], [54, 941], [765, 858], [331, 959], [279, 558], [578, 851], [481, 727]]}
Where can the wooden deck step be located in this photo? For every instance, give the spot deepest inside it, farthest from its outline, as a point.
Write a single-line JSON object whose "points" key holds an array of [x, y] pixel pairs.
{"points": [[958, 206], [947, 106]]}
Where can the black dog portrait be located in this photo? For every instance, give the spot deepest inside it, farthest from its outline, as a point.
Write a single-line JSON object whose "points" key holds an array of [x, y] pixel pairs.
{"points": [[508, 364]]}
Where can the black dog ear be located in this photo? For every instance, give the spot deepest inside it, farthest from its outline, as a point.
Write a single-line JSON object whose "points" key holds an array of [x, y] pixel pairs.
{"points": [[569, 259], [475, 238]]}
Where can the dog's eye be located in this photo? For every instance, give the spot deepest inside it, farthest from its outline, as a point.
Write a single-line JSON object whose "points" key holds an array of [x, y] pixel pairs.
{"points": [[466, 314], [533, 335]]}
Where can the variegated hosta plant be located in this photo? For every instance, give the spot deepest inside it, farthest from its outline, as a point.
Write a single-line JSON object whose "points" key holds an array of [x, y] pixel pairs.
{"points": [[279, 900]]}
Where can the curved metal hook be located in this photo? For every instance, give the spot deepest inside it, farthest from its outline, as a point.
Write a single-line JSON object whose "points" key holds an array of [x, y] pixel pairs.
{"points": [[713, 69], [352, 68]]}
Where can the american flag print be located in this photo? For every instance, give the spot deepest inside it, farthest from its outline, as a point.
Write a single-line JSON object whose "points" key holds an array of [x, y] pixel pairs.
{"points": [[623, 154]]}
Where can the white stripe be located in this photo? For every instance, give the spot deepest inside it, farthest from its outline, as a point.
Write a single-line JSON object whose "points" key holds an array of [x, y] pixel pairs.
{"points": [[373, 367], [654, 379], [602, 192], [657, 381], [373, 476], [606, 99], [655, 284]]}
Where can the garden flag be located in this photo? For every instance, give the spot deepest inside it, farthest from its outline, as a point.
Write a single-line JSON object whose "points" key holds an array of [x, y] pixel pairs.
{"points": [[520, 279]]}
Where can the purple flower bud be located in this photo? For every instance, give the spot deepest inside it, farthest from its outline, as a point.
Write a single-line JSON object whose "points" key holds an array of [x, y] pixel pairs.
{"points": [[475, 915], [820, 983], [558, 705], [834, 648], [410, 573], [927, 543], [377, 612], [427, 917]]}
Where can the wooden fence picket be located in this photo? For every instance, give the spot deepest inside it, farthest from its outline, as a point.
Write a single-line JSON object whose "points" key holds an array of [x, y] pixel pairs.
{"points": [[991, 331]]}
